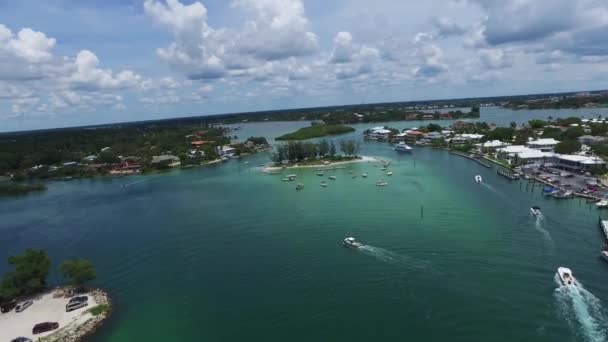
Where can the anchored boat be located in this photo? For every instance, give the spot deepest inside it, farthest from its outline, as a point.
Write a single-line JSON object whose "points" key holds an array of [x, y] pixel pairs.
{"points": [[381, 183], [478, 179], [403, 147]]}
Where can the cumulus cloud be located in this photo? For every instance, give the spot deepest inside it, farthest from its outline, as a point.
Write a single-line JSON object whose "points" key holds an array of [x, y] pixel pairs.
{"points": [[278, 31]]}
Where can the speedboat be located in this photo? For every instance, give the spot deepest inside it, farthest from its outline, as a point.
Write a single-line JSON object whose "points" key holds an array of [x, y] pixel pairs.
{"points": [[565, 275], [320, 173], [300, 186], [352, 243], [381, 183], [323, 184], [364, 175], [286, 179], [535, 211], [602, 204], [604, 255], [478, 179], [383, 168], [291, 176], [403, 147], [390, 173], [332, 177]]}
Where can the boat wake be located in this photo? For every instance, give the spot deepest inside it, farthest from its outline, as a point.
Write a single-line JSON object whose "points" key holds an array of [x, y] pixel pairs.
{"points": [[538, 224], [583, 311], [394, 258], [496, 192]]}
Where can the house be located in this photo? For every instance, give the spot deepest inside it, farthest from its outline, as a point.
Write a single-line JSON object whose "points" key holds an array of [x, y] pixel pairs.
{"points": [[463, 138], [428, 117], [434, 135], [544, 145], [446, 116], [227, 151], [199, 143], [379, 133], [578, 163], [489, 146], [166, 159], [590, 139]]}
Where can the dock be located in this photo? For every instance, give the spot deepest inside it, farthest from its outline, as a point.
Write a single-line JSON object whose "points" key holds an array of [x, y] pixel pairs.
{"points": [[604, 227], [471, 158], [511, 175]]}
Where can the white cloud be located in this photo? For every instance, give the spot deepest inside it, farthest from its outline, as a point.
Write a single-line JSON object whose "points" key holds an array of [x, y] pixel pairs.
{"points": [[278, 31]]}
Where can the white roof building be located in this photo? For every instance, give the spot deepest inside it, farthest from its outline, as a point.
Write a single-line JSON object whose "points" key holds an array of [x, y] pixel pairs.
{"points": [[493, 144], [543, 144]]}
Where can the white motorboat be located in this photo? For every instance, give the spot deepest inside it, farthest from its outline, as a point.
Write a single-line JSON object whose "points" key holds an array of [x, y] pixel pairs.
{"points": [[364, 175], [286, 179], [381, 183], [320, 173], [292, 176], [403, 147], [604, 255], [300, 186], [565, 275], [332, 177], [383, 168], [478, 179], [323, 184], [602, 204], [535, 211], [351, 243], [390, 173]]}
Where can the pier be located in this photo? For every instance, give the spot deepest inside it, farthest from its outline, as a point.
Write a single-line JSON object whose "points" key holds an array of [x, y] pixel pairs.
{"points": [[511, 175], [471, 157]]}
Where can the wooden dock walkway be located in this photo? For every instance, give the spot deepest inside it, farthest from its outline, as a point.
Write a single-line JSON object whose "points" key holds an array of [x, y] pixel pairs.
{"points": [[470, 157]]}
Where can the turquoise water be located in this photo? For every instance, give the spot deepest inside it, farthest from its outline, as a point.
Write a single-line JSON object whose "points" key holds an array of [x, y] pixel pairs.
{"points": [[227, 253]]}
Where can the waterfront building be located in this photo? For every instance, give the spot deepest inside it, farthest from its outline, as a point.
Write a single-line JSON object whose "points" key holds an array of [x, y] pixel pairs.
{"points": [[379, 133], [578, 163], [545, 145], [590, 139]]}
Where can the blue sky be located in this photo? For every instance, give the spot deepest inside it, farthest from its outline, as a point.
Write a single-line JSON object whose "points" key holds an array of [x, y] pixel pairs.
{"points": [[67, 62]]}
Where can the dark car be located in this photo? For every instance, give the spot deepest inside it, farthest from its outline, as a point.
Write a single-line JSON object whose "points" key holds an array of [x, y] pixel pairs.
{"points": [[44, 327], [78, 299], [6, 307], [21, 339]]}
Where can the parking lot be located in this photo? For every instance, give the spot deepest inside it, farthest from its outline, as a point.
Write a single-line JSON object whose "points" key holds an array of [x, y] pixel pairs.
{"points": [[579, 183]]}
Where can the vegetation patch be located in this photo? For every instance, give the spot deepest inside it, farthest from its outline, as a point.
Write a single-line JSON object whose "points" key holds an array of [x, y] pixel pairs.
{"points": [[99, 309], [316, 130], [20, 189]]}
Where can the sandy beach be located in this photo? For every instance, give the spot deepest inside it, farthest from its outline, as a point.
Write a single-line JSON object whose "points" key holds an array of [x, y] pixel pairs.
{"points": [[47, 307], [364, 159]]}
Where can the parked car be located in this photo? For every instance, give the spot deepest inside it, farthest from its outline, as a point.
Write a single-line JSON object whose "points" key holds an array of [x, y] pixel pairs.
{"points": [[21, 339], [6, 307], [23, 305], [78, 299], [75, 306], [44, 327]]}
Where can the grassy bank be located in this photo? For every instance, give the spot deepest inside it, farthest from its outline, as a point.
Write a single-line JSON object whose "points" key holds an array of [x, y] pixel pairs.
{"points": [[316, 131], [19, 189]]}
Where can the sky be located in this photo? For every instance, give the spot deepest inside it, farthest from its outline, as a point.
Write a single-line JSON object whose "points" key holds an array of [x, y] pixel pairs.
{"points": [[81, 62]]}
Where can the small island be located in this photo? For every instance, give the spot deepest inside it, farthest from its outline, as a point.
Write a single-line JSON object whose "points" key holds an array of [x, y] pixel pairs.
{"points": [[316, 130], [65, 313], [296, 154]]}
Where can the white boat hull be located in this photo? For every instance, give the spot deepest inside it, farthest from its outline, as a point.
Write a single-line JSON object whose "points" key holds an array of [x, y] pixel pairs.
{"points": [[565, 276]]}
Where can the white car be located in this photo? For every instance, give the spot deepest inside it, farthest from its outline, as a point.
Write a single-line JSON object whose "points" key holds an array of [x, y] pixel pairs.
{"points": [[23, 305]]}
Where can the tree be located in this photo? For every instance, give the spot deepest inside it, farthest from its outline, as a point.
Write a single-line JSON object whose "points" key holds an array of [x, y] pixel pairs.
{"points": [[513, 124], [332, 148], [537, 124], [567, 146], [323, 148], [78, 271], [31, 270], [550, 132], [433, 128], [574, 132]]}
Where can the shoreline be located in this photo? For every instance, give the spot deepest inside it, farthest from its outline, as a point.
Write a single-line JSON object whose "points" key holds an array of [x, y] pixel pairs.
{"points": [[50, 306], [369, 159]]}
